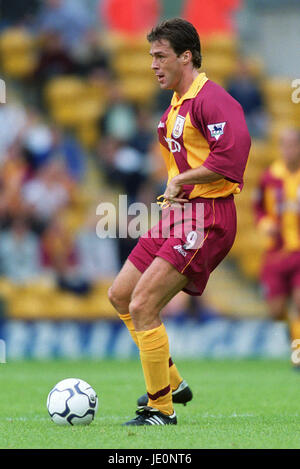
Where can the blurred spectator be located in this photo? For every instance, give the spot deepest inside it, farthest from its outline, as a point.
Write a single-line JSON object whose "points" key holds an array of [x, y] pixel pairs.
{"points": [[70, 151], [161, 102], [36, 140], [244, 88], [91, 57], [119, 120], [157, 169], [60, 257], [20, 253], [70, 281], [125, 246], [68, 18], [54, 59], [13, 119], [97, 258], [123, 165], [43, 142], [46, 194], [144, 134], [126, 243], [58, 250], [17, 12], [14, 172]]}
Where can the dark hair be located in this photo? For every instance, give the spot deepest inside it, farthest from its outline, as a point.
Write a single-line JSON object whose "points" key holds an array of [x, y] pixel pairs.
{"points": [[182, 36]]}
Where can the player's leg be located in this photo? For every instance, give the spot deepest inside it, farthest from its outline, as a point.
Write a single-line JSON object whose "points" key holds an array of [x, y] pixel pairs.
{"points": [[278, 311], [120, 294], [156, 287], [121, 290], [281, 282], [277, 307], [177, 267], [159, 283], [294, 262], [295, 321], [296, 299], [274, 275], [278, 296]]}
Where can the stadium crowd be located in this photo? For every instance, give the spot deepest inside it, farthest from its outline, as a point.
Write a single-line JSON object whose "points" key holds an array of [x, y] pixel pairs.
{"points": [[61, 154]]}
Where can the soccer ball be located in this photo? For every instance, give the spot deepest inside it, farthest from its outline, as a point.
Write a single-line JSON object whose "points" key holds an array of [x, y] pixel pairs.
{"points": [[72, 401]]}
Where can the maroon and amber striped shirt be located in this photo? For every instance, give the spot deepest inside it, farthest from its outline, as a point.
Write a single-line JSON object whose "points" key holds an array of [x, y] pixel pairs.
{"points": [[206, 127], [277, 202]]}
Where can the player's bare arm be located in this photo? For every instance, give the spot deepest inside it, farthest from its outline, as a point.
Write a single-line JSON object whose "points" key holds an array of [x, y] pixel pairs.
{"points": [[201, 175]]}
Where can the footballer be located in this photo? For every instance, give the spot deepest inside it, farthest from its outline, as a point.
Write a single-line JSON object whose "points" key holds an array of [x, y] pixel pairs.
{"points": [[205, 143]]}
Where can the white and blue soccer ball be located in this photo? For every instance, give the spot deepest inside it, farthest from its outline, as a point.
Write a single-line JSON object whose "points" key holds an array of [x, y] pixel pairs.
{"points": [[72, 401]]}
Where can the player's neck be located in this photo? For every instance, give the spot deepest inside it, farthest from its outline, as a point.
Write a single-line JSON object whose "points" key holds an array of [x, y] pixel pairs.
{"points": [[186, 81]]}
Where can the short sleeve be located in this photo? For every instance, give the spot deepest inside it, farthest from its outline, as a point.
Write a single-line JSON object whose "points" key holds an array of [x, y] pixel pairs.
{"points": [[221, 120]]}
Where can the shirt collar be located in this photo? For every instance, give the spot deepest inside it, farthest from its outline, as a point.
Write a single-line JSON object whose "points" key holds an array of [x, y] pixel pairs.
{"points": [[192, 92]]}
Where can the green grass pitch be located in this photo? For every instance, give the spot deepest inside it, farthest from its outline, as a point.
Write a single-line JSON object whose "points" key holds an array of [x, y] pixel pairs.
{"points": [[237, 404]]}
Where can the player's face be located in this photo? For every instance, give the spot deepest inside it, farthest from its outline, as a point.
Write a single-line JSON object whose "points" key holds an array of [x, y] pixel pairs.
{"points": [[290, 147], [168, 67]]}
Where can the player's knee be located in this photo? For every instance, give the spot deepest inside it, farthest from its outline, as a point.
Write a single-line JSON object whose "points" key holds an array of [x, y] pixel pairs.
{"points": [[116, 298], [143, 313], [140, 308], [136, 308], [110, 295]]}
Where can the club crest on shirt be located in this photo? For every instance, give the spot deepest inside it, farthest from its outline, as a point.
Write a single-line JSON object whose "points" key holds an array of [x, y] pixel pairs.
{"points": [[216, 130], [178, 126]]}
